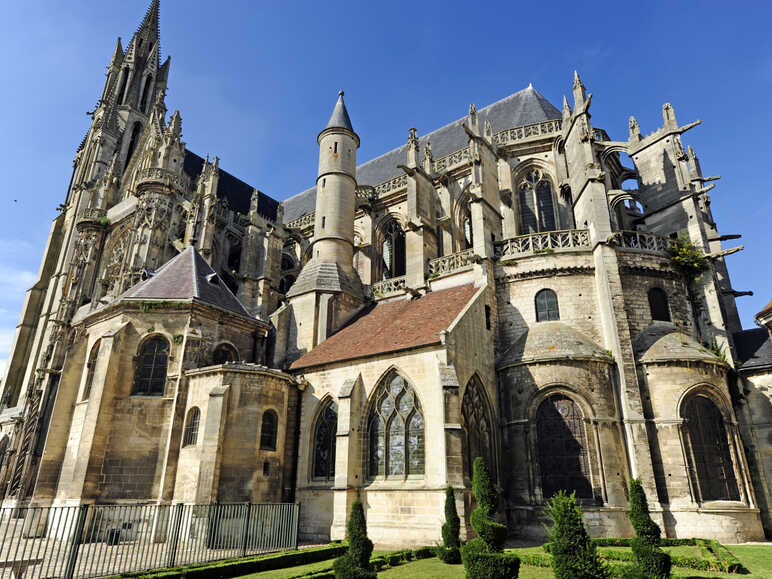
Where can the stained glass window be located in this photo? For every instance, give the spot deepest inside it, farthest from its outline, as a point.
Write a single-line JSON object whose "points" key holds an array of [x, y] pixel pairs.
{"points": [[150, 375], [90, 369], [268, 430], [547, 306], [710, 459], [324, 442], [562, 447], [537, 209], [478, 431], [395, 431], [658, 305], [190, 435]]}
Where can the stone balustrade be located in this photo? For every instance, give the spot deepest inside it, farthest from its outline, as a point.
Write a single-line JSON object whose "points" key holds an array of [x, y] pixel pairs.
{"points": [[642, 241], [448, 264], [451, 161], [544, 242], [158, 175], [515, 134], [394, 184], [389, 287], [302, 222]]}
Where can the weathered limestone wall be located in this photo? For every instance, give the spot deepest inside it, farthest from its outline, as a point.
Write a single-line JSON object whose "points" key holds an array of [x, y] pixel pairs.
{"points": [[755, 414]]}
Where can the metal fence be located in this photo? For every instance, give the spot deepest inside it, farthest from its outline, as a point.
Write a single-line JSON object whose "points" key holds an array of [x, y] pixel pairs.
{"points": [[98, 540]]}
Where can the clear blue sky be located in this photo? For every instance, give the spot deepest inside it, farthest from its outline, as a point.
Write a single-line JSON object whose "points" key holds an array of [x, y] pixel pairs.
{"points": [[255, 81]]}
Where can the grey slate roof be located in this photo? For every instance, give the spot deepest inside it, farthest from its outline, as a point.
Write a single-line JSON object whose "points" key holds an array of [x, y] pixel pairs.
{"points": [[234, 190], [525, 107], [551, 341], [663, 342], [340, 118], [187, 276], [754, 349]]}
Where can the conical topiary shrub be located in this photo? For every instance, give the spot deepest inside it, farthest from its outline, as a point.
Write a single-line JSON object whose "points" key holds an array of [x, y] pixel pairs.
{"points": [[449, 551], [355, 564], [651, 561], [573, 552]]}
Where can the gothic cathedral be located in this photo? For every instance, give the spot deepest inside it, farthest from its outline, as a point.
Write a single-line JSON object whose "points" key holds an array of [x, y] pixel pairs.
{"points": [[515, 285]]}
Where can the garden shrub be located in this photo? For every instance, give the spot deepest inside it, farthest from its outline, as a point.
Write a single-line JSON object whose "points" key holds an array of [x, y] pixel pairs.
{"points": [[449, 552], [482, 556], [424, 553], [573, 553], [649, 558], [355, 564]]}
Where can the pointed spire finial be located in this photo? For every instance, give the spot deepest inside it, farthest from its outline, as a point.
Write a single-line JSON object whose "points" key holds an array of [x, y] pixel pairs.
{"points": [[566, 109], [340, 118], [635, 130], [340, 93], [579, 93], [530, 85]]}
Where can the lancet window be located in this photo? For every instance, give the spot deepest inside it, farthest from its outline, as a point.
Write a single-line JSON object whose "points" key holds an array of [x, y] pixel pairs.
{"points": [[478, 428], [269, 430], [324, 442], [547, 306], [537, 207], [393, 250], [150, 374], [190, 435], [395, 431]]}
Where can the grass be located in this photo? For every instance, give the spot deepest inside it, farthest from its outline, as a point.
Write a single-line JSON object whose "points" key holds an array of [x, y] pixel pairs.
{"points": [[292, 571]]}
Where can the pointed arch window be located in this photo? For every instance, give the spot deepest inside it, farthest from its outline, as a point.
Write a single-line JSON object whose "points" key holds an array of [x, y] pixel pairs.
{"points": [[324, 442], [395, 431], [658, 305], [150, 375], [547, 306], [269, 430], [393, 250], [190, 435], [224, 353], [145, 99], [466, 224], [478, 429], [135, 132], [562, 448], [710, 459], [537, 206], [91, 369]]}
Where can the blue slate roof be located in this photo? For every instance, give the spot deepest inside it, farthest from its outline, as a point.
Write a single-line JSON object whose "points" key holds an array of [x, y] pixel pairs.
{"points": [[525, 107], [753, 348]]}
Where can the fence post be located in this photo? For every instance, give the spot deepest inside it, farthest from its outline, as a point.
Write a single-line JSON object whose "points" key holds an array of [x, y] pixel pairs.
{"points": [[171, 557], [297, 524], [72, 554], [245, 538]]}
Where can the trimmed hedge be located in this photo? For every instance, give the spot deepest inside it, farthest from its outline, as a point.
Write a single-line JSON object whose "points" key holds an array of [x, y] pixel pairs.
{"points": [[449, 552], [424, 553], [237, 567], [535, 560], [623, 542], [491, 565]]}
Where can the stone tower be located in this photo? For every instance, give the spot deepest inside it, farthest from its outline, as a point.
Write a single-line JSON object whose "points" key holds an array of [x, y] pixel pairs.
{"points": [[328, 292]]}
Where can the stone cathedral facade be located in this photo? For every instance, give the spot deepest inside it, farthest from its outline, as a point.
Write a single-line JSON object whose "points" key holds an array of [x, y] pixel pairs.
{"points": [[500, 287]]}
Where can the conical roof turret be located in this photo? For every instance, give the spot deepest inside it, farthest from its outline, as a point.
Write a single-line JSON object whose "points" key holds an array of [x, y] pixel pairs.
{"points": [[340, 118]]}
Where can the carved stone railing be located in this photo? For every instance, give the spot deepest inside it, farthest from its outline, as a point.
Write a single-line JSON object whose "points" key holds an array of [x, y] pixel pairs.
{"points": [[599, 135], [394, 184], [163, 176], [545, 242], [92, 214], [642, 241], [451, 263], [451, 161], [389, 287], [302, 222], [528, 131]]}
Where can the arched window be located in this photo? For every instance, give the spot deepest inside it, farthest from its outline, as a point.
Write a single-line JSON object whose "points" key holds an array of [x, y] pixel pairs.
{"points": [[547, 306], [121, 86], [710, 461], [150, 374], [562, 447], [190, 435], [537, 209], [286, 283], [268, 430], [393, 250], [324, 442], [658, 305], [287, 262], [144, 101], [135, 131], [224, 353], [395, 431], [90, 369], [466, 224], [478, 430]]}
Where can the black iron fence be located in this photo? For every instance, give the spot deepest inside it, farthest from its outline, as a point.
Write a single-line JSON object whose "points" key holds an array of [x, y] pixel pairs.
{"points": [[99, 540]]}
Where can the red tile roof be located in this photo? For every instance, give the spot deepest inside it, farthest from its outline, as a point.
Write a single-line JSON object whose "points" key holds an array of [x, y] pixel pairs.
{"points": [[392, 326]]}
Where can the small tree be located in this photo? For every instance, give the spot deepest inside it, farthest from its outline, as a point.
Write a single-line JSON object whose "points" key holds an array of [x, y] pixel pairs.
{"points": [[651, 561], [355, 564], [573, 552], [482, 555], [449, 552]]}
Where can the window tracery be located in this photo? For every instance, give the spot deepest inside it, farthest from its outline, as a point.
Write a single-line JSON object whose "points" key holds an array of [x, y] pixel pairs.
{"points": [[150, 374], [395, 431], [537, 207], [478, 431], [393, 250], [324, 442], [562, 446]]}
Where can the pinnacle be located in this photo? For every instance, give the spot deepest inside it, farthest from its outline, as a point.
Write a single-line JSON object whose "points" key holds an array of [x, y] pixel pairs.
{"points": [[340, 118]]}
